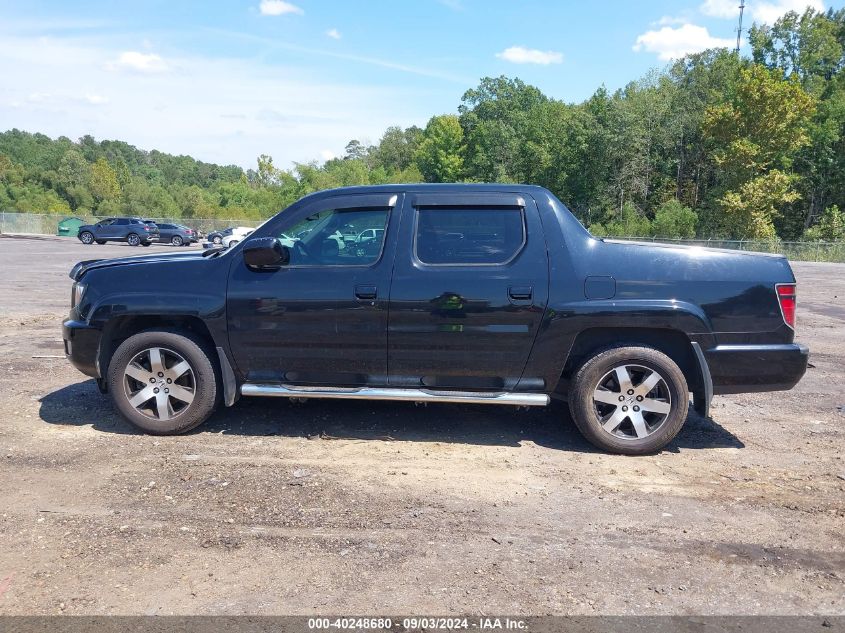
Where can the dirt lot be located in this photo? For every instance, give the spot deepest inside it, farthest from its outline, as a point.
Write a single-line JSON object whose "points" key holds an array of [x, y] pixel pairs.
{"points": [[355, 507]]}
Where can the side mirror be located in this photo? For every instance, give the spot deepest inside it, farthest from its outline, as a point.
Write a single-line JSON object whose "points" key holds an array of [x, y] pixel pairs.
{"points": [[265, 253]]}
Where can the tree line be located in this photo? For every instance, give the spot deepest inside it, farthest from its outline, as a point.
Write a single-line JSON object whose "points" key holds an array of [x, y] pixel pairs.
{"points": [[715, 145]]}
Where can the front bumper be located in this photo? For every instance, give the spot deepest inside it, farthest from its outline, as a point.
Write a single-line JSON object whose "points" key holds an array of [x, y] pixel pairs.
{"points": [[82, 343], [747, 368]]}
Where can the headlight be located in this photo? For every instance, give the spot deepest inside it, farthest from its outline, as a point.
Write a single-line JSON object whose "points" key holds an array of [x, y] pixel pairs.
{"points": [[76, 294]]}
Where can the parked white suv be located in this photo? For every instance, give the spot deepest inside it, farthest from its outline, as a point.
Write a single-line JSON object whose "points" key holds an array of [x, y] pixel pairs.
{"points": [[238, 233]]}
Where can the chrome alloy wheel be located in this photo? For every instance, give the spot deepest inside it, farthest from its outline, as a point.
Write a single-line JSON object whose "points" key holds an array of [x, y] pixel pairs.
{"points": [[632, 401], [159, 383], [133, 240]]}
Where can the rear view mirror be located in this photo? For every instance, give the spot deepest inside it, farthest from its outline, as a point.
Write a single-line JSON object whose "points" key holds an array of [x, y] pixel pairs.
{"points": [[265, 253]]}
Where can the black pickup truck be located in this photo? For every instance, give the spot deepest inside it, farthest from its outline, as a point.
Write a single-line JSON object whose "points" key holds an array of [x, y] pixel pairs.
{"points": [[468, 293]]}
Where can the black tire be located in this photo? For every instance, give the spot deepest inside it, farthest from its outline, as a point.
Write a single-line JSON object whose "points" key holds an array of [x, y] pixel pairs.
{"points": [[86, 237], [133, 239], [101, 242], [233, 242], [146, 243], [204, 381], [217, 239], [590, 415], [176, 240]]}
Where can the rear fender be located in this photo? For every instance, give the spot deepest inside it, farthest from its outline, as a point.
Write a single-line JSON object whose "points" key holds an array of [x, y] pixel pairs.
{"points": [[622, 321]]}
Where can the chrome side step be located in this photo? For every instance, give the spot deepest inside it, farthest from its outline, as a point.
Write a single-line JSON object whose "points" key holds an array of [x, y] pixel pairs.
{"points": [[387, 393]]}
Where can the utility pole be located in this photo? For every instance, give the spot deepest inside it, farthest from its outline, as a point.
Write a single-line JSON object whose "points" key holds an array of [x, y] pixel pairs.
{"points": [[739, 28]]}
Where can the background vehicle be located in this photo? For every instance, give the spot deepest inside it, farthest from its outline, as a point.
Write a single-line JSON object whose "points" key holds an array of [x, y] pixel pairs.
{"points": [[177, 234], [492, 294], [133, 231], [217, 237], [236, 236], [369, 235]]}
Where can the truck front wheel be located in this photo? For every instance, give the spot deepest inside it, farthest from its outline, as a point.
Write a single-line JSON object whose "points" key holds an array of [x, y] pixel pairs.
{"points": [[164, 382], [630, 400]]}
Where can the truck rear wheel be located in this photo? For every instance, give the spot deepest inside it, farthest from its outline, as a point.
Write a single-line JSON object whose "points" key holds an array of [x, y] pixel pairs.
{"points": [[631, 400], [164, 382]]}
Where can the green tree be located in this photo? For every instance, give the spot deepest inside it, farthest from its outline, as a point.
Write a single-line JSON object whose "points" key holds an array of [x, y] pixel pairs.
{"points": [[440, 155], [395, 151], [73, 179], [268, 175], [831, 226], [807, 47], [629, 222], [355, 150], [755, 133], [104, 184], [121, 171], [811, 49], [674, 220], [496, 118]]}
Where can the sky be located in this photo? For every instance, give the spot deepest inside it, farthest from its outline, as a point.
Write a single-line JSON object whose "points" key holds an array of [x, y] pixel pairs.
{"points": [[225, 81]]}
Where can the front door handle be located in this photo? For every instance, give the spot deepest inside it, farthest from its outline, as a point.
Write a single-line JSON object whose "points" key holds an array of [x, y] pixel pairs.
{"points": [[521, 293], [366, 293]]}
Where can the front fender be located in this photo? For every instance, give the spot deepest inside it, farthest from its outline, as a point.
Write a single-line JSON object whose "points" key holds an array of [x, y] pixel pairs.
{"points": [[126, 303]]}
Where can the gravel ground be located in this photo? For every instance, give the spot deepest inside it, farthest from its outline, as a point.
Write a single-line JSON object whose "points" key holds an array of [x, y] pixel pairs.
{"points": [[356, 507]]}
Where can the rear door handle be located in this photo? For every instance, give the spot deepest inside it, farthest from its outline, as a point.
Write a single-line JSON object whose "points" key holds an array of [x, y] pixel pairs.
{"points": [[521, 293], [366, 293]]}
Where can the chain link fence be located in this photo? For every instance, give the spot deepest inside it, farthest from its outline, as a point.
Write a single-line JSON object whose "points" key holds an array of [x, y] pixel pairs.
{"points": [[798, 251], [48, 224]]}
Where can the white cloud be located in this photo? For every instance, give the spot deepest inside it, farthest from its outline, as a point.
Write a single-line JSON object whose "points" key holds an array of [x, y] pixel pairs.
{"points": [[327, 154], [52, 100], [140, 62], [720, 8], [673, 43], [760, 11], [670, 20], [521, 55], [278, 7], [769, 12], [333, 33], [95, 99], [39, 97]]}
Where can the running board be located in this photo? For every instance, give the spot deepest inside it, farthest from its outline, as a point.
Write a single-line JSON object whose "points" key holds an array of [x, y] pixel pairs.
{"points": [[386, 393]]}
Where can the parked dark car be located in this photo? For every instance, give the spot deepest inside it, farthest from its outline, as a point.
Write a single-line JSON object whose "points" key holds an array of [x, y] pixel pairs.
{"points": [[177, 234], [133, 231], [474, 294], [216, 237]]}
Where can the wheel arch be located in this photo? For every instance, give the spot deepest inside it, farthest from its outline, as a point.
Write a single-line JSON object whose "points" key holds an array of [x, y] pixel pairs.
{"points": [[120, 328], [672, 342]]}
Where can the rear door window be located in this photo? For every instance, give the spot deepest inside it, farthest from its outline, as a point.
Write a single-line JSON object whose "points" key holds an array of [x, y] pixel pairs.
{"points": [[469, 235]]}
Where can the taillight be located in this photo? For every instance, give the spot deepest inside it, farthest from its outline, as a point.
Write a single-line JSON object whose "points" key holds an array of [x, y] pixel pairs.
{"points": [[786, 299]]}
